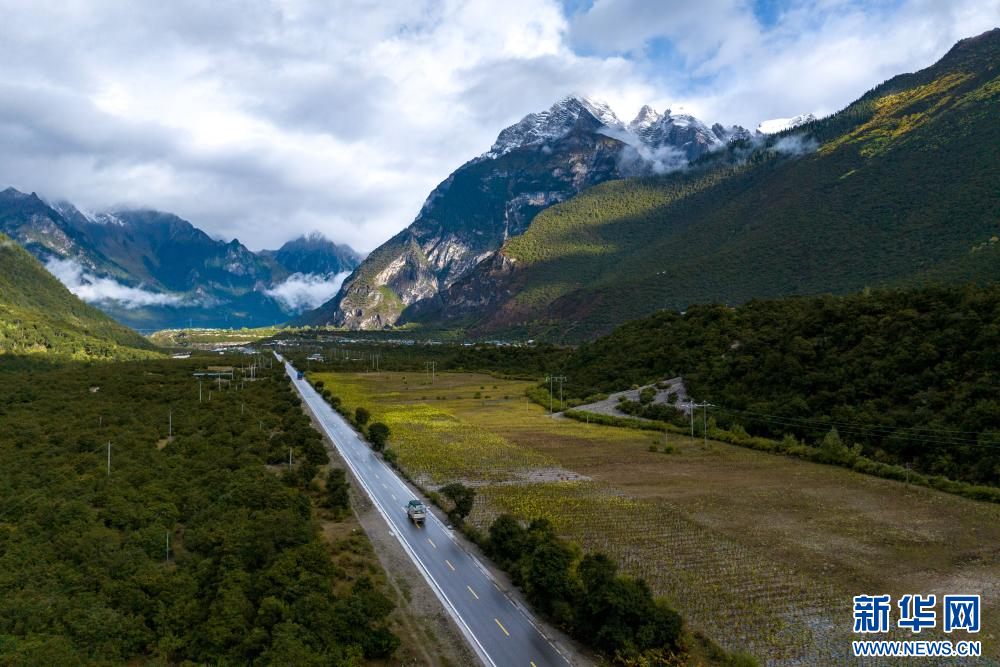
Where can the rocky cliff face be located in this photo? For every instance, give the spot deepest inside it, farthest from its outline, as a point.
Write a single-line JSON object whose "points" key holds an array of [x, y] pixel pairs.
{"points": [[467, 218], [545, 158]]}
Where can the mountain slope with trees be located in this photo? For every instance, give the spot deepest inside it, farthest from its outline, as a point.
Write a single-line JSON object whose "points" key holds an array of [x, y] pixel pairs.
{"points": [[899, 188], [907, 375], [38, 314]]}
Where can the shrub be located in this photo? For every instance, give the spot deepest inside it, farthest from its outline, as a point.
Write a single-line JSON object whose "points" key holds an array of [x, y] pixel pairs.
{"points": [[378, 434], [647, 395], [462, 498], [336, 496], [361, 416]]}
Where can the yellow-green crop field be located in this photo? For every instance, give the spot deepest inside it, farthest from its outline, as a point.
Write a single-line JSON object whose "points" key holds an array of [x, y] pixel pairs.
{"points": [[760, 551]]}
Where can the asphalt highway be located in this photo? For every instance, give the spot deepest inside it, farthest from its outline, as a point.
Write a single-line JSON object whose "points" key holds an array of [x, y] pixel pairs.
{"points": [[501, 632]]}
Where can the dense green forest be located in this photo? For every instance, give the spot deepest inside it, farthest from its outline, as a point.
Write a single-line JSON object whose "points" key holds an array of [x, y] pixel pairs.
{"points": [[202, 547], [909, 375], [38, 314], [897, 189]]}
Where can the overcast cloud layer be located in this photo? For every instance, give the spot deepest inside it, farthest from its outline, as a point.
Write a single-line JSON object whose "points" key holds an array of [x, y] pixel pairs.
{"points": [[263, 120]]}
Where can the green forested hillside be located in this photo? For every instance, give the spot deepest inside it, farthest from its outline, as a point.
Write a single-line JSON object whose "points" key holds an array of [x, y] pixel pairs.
{"points": [[38, 314], [909, 375], [899, 188], [189, 550]]}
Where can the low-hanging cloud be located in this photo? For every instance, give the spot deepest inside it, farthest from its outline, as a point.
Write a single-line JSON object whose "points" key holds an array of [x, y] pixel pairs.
{"points": [[796, 144], [305, 291], [638, 159], [95, 289]]}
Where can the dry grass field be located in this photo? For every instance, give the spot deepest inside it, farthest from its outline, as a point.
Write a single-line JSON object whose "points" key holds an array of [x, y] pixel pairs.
{"points": [[760, 551]]}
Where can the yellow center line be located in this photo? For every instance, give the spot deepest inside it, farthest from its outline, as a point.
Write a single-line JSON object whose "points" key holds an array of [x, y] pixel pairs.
{"points": [[501, 626], [432, 543], [449, 564], [473, 592]]}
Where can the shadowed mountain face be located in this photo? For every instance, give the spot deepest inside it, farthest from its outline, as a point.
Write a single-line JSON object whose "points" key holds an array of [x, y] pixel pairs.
{"points": [[314, 254], [899, 188], [152, 270], [542, 160]]}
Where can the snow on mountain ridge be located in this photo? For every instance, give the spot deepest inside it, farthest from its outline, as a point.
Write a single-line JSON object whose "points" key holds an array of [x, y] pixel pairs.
{"points": [[650, 132], [646, 117], [553, 123], [776, 125]]}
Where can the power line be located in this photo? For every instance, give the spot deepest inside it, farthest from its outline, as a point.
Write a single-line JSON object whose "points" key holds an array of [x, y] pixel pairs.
{"points": [[862, 429], [835, 422]]}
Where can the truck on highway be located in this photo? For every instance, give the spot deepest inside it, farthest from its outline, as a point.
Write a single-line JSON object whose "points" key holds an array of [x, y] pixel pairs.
{"points": [[299, 375], [416, 511]]}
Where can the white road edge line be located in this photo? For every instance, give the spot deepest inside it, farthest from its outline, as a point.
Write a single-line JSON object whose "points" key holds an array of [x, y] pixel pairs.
{"points": [[449, 607]]}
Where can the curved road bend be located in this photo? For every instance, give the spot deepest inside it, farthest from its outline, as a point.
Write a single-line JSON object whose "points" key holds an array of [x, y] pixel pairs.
{"points": [[501, 633]]}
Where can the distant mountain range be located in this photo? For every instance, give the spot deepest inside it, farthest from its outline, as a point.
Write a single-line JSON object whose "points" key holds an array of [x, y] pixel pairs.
{"points": [[153, 270], [38, 314], [545, 158], [574, 223]]}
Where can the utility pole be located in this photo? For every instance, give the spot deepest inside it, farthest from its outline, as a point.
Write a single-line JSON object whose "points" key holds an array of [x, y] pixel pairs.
{"points": [[706, 405], [555, 378], [289, 459], [199, 390]]}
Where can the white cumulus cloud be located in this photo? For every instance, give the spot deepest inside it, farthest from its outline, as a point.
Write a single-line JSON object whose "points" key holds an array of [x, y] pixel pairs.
{"points": [[94, 289], [305, 291]]}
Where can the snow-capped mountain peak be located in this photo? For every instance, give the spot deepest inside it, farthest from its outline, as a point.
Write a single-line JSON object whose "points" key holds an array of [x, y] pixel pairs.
{"points": [[651, 133], [776, 125], [79, 216], [646, 117], [553, 123]]}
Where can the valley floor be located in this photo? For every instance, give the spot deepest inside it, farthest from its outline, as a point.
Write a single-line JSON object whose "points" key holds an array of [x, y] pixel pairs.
{"points": [[760, 551]]}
